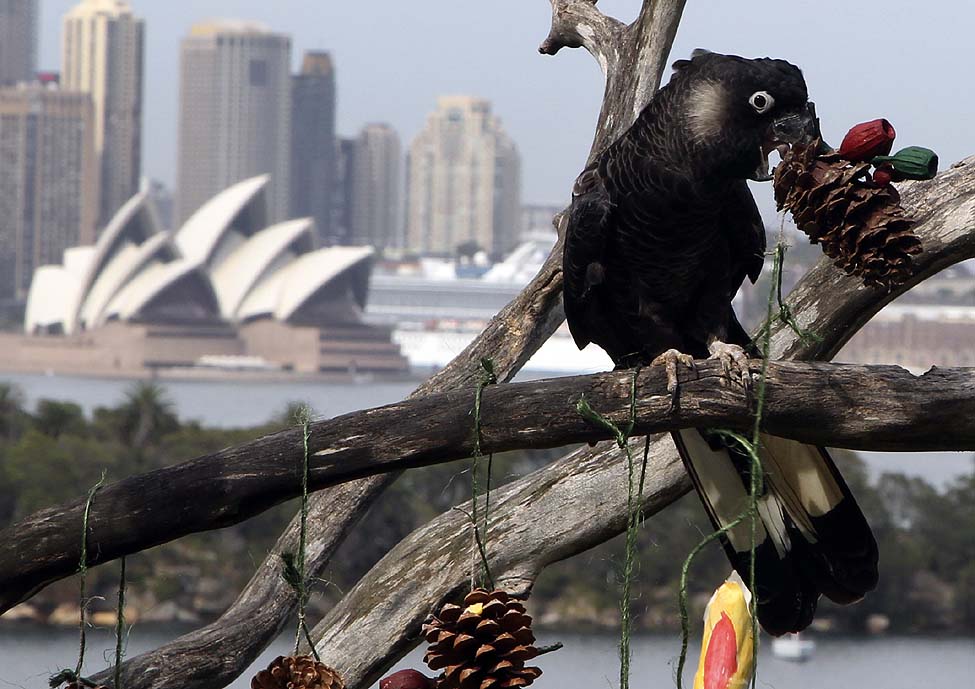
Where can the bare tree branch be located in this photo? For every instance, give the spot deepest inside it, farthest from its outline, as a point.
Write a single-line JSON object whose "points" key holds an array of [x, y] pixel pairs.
{"points": [[580, 500], [656, 26], [578, 24], [511, 338]]}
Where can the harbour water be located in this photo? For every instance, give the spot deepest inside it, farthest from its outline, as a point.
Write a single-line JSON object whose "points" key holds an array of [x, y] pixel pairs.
{"points": [[29, 655], [244, 403]]}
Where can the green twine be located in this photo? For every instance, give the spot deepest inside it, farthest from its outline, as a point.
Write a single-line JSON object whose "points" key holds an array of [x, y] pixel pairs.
{"points": [[488, 377], [83, 573], [120, 626], [634, 506], [68, 675], [294, 564], [750, 446], [784, 313]]}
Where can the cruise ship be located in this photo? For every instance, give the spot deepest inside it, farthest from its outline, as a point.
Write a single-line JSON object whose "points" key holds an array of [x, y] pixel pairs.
{"points": [[436, 307]]}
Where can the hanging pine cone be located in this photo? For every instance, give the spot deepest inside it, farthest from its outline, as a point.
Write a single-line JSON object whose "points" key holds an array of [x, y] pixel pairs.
{"points": [[482, 644], [858, 222], [297, 672]]}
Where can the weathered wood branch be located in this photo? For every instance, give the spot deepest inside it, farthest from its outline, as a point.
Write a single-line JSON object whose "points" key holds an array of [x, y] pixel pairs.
{"points": [[378, 621], [879, 407], [632, 57], [202, 647], [578, 24], [199, 660]]}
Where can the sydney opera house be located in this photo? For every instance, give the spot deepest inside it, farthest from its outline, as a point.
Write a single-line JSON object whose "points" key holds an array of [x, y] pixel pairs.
{"points": [[223, 290]]}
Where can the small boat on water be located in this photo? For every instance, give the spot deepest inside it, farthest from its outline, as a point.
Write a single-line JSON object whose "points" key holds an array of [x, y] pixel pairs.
{"points": [[793, 647]]}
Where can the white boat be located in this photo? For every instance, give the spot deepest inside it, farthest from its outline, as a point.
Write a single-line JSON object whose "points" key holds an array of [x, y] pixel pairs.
{"points": [[793, 647]]}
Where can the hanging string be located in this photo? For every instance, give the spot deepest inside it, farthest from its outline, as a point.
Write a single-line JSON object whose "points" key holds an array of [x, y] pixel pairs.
{"points": [[120, 626], [634, 508], [294, 564], [68, 675], [784, 313], [488, 377], [756, 473]]}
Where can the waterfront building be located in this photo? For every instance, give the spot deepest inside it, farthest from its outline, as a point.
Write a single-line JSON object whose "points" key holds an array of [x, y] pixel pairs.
{"points": [[313, 142], [463, 181], [49, 180], [227, 283], [102, 55], [18, 41], [376, 187], [234, 113]]}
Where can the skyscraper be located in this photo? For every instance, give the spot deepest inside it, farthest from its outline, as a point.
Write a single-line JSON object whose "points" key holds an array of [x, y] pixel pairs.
{"points": [[464, 181], [102, 54], [18, 40], [48, 189], [343, 191], [313, 155], [235, 113], [376, 187]]}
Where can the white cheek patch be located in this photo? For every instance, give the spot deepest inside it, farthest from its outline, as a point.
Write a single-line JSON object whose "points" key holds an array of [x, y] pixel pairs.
{"points": [[706, 106]]}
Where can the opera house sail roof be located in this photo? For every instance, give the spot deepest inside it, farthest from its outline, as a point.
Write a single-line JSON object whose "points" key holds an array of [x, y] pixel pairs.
{"points": [[224, 265]]}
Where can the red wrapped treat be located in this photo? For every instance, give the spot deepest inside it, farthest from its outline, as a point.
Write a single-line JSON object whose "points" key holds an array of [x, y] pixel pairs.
{"points": [[866, 140]]}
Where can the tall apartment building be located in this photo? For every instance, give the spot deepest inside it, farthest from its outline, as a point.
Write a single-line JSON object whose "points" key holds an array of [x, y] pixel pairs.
{"points": [[49, 184], [376, 187], [313, 154], [102, 54], [464, 181], [235, 113], [343, 191], [18, 40]]}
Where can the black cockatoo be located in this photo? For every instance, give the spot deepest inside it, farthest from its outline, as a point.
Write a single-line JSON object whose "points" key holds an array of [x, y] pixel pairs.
{"points": [[662, 232]]}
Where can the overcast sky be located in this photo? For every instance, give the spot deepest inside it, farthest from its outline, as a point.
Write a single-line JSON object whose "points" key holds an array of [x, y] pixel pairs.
{"points": [[908, 61]]}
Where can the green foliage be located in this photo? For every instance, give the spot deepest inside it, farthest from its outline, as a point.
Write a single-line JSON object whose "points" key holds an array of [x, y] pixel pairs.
{"points": [[54, 455]]}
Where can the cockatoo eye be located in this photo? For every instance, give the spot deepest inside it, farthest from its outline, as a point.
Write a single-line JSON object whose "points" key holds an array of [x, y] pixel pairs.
{"points": [[762, 101]]}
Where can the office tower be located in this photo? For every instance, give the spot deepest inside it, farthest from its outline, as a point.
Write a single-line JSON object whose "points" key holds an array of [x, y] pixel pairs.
{"points": [[343, 192], [313, 141], [376, 187], [18, 40], [49, 185], [463, 181], [102, 54], [235, 113]]}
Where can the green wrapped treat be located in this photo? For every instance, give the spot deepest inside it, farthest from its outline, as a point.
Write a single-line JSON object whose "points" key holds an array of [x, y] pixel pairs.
{"points": [[913, 162]]}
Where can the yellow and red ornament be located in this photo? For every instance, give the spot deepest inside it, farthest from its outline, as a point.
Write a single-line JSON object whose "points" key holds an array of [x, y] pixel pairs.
{"points": [[728, 650]]}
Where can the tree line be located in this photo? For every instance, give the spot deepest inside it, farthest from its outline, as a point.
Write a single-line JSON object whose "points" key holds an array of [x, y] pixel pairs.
{"points": [[51, 453]]}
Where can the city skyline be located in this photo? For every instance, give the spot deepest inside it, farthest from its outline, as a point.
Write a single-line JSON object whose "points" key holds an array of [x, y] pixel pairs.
{"points": [[550, 104], [376, 187], [49, 187], [234, 113], [102, 55], [463, 181], [313, 154]]}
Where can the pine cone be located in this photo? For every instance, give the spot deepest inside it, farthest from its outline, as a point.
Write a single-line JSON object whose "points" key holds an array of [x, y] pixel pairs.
{"points": [[297, 672], [483, 644], [80, 685], [861, 224]]}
